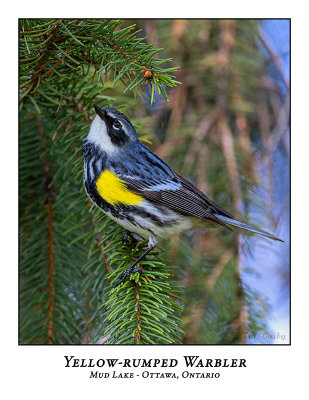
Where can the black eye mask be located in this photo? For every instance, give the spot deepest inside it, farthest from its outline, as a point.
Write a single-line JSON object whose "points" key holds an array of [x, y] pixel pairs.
{"points": [[117, 135]]}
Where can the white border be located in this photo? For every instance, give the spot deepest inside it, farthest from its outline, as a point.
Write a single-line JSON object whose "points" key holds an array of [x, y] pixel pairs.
{"points": [[38, 372]]}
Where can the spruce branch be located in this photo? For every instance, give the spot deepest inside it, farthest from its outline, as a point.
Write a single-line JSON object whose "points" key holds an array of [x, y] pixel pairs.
{"points": [[61, 46], [143, 310], [82, 235]]}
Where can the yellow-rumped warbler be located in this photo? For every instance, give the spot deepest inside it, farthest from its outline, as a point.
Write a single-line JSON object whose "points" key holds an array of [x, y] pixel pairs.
{"points": [[134, 187]]}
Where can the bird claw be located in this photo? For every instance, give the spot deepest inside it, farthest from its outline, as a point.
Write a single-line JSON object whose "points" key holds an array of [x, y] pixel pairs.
{"points": [[128, 272], [151, 245], [128, 239], [137, 270]]}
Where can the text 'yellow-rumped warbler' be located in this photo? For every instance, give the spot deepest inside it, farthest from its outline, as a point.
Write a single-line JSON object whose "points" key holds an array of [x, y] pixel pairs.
{"points": [[134, 187]]}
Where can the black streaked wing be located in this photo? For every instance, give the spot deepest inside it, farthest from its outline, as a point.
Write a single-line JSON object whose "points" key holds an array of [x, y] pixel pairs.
{"points": [[187, 184], [186, 198]]}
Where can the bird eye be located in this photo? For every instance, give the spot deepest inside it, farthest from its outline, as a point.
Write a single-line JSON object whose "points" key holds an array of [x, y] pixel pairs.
{"points": [[116, 124]]}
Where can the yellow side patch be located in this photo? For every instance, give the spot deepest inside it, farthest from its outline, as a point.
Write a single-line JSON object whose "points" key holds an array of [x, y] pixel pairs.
{"points": [[114, 190]]}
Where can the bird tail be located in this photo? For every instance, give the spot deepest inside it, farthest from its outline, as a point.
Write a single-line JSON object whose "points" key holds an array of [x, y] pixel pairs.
{"points": [[234, 222]]}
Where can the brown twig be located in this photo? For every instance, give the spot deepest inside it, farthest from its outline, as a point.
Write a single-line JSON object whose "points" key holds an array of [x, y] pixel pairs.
{"points": [[138, 315], [50, 233], [80, 109], [51, 273], [227, 143], [48, 48], [51, 70], [198, 137], [227, 35]]}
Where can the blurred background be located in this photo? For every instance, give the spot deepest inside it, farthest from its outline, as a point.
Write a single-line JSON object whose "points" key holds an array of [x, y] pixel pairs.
{"points": [[227, 129]]}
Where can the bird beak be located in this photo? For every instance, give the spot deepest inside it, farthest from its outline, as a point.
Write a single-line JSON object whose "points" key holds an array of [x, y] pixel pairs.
{"points": [[100, 112]]}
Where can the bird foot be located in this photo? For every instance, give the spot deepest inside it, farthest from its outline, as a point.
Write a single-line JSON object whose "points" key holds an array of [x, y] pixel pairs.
{"points": [[128, 272], [151, 245], [128, 239]]}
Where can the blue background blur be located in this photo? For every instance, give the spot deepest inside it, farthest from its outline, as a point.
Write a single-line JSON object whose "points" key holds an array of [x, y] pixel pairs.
{"points": [[273, 280]]}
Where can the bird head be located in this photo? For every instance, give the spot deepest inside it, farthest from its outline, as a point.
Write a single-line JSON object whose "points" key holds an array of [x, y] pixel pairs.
{"points": [[111, 130]]}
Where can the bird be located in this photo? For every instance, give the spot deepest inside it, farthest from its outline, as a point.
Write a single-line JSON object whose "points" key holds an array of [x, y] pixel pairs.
{"points": [[142, 193]]}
